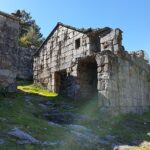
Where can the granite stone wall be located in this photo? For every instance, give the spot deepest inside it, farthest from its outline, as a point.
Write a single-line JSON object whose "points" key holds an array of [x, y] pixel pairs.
{"points": [[123, 83], [87, 63], [9, 31], [15, 62], [59, 53], [25, 63]]}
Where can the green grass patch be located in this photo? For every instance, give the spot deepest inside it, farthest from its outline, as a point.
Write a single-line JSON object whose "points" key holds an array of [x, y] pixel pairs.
{"points": [[16, 112], [34, 89]]}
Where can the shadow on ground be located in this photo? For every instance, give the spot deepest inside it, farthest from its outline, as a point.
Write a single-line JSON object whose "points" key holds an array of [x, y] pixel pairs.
{"points": [[59, 122]]}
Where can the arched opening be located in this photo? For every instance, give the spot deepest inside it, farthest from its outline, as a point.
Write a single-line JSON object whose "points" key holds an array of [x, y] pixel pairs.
{"points": [[87, 77]]}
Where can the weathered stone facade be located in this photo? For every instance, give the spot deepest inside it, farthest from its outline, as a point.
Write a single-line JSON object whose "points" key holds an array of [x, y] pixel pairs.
{"points": [[25, 63], [87, 62], [9, 31], [15, 62]]}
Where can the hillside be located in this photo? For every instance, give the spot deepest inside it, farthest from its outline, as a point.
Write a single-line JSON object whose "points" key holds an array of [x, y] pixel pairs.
{"points": [[34, 119]]}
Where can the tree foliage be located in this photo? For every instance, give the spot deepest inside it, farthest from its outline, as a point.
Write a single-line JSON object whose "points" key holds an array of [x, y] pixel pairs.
{"points": [[30, 35]]}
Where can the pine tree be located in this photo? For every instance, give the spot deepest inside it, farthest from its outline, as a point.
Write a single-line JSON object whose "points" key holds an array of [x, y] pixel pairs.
{"points": [[30, 35]]}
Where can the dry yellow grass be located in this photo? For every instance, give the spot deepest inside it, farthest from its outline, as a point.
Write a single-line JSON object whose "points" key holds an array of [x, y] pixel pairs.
{"points": [[33, 89]]}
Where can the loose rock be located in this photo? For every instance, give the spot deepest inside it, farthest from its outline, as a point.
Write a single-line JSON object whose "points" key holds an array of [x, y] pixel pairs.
{"points": [[2, 141], [22, 136]]}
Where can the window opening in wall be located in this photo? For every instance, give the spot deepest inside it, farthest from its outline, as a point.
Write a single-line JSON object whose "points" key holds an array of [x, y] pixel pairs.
{"points": [[77, 43], [59, 51], [52, 44], [65, 36]]}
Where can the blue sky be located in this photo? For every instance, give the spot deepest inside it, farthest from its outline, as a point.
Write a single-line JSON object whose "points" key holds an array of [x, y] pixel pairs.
{"points": [[131, 16]]}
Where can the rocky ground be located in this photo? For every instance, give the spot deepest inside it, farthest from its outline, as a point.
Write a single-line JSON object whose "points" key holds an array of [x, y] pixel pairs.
{"points": [[30, 121]]}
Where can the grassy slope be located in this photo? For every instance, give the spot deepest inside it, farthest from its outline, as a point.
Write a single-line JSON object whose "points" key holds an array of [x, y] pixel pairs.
{"points": [[14, 112], [126, 127]]}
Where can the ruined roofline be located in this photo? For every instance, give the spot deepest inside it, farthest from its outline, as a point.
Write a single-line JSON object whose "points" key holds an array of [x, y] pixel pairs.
{"points": [[8, 16], [87, 31], [139, 54], [84, 30]]}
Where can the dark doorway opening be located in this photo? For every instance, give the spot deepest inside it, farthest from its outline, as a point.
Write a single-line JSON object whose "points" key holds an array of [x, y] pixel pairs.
{"points": [[87, 75], [64, 83]]}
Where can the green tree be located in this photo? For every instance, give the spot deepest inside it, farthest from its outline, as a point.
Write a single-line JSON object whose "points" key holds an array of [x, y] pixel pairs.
{"points": [[30, 35]]}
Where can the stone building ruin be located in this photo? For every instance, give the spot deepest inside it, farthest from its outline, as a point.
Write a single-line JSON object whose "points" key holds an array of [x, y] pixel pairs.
{"points": [[78, 63], [87, 62], [15, 61]]}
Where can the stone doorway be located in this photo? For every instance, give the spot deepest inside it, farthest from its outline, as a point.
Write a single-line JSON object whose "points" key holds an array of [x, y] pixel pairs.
{"points": [[64, 83], [87, 77]]}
